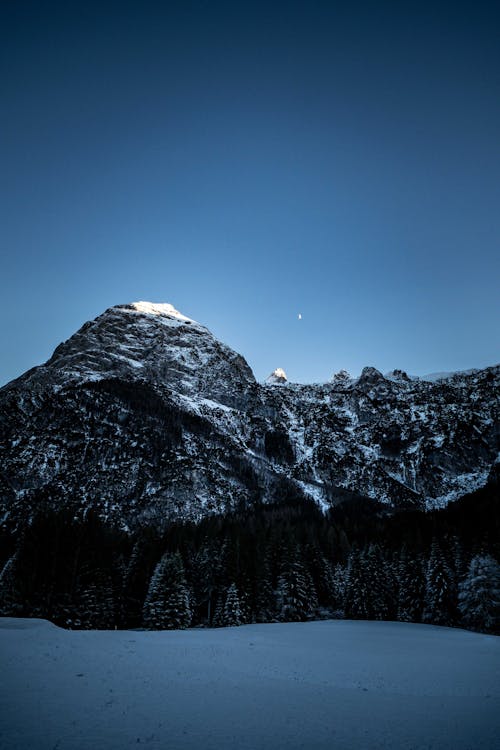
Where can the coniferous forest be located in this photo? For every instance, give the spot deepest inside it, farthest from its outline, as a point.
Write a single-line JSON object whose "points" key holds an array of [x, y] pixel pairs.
{"points": [[286, 561]]}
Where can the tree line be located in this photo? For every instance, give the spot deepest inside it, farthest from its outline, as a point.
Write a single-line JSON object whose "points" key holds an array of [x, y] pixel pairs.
{"points": [[271, 563]]}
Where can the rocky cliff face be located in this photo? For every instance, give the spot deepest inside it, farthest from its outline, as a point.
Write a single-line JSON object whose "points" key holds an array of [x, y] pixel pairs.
{"points": [[145, 416]]}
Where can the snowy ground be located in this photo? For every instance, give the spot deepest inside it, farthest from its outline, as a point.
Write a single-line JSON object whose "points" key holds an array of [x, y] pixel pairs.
{"points": [[335, 684]]}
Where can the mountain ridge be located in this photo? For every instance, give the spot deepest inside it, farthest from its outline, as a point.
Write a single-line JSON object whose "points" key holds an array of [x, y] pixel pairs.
{"points": [[144, 414]]}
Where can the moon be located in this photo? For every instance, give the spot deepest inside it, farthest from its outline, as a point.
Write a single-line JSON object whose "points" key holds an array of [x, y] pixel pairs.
{"points": [[300, 316]]}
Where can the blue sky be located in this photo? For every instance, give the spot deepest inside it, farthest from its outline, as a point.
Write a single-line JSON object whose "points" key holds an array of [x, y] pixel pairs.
{"points": [[248, 162]]}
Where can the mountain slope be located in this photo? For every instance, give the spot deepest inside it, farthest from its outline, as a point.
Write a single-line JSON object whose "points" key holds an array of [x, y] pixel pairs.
{"points": [[145, 415]]}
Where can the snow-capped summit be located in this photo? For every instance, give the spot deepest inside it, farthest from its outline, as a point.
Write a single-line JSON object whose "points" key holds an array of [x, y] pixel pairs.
{"points": [[277, 377], [150, 342], [158, 308]]}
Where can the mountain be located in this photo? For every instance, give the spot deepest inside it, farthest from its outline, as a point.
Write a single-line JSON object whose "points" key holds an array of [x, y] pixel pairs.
{"points": [[145, 416]]}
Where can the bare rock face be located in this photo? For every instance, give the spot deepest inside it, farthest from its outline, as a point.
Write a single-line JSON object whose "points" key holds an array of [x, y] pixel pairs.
{"points": [[145, 416]]}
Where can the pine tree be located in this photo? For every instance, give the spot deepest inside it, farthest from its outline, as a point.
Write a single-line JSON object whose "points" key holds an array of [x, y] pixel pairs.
{"points": [[205, 579], [439, 605], [134, 582], [410, 587], [459, 559], [479, 595], [218, 616], [167, 604], [10, 604], [245, 594], [265, 598], [357, 592], [95, 604], [232, 615], [295, 596], [322, 572], [381, 585], [339, 586], [119, 599]]}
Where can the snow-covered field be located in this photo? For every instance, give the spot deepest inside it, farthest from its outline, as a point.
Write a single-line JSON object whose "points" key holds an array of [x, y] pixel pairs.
{"points": [[332, 684]]}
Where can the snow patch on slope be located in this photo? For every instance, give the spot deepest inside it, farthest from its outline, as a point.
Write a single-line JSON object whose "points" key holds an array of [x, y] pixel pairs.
{"points": [[461, 485]]}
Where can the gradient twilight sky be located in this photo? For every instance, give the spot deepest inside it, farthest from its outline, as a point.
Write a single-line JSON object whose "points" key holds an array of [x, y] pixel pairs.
{"points": [[250, 161]]}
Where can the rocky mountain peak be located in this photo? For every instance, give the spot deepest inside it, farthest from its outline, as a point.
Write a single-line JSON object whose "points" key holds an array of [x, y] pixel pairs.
{"points": [[149, 342], [398, 375], [277, 377], [341, 377], [371, 376]]}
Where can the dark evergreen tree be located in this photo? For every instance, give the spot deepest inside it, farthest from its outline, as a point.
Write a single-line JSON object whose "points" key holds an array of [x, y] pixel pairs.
{"points": [[459, 559], [340, 577], [357, 591], [218, 616], [439, 601], [167, 605], [410, 587], [232, 614], [134, 583], [95, 604], [295, 596], [479, 595], [10, 601], [265, 604], [322, 573], [205, 575], [380, 584], [246, 597], [344, 547]]}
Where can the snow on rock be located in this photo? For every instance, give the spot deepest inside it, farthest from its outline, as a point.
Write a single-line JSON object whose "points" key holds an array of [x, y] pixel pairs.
{"points": [[319, 685], [277, 377], [162, 308], [153, 342], [398, 376], [434, 377], [370, 375], [144, 414], [460, 485], [342, 377]]}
